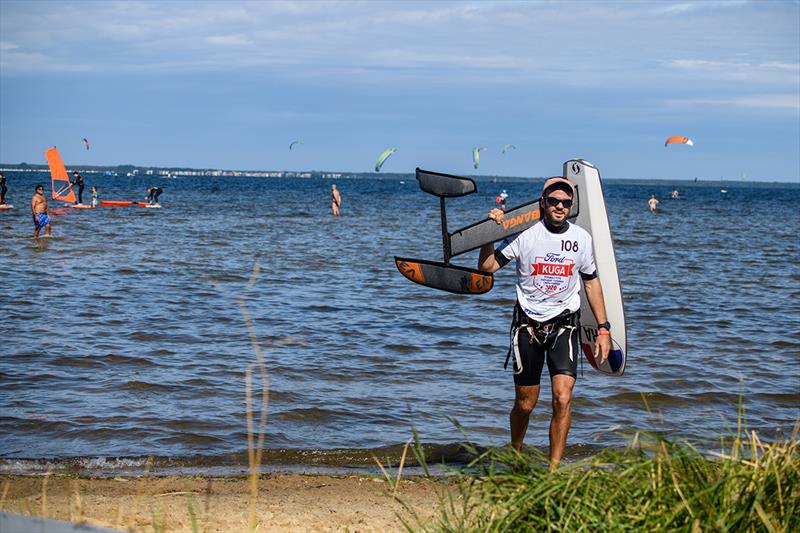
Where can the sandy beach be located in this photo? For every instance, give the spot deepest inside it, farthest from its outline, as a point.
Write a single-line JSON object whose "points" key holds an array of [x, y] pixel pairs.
{"points": [[286, 502]]}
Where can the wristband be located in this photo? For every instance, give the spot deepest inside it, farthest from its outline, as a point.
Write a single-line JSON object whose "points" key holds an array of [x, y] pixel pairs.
{"points": [[603, 331]]}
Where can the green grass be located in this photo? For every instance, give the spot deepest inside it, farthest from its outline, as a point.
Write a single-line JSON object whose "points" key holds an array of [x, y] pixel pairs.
{"points": [[655, 485]]}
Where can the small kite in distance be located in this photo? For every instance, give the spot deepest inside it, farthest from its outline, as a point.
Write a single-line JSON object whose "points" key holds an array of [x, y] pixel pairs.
{"points": [[86, 142], [383, 157], [507, 147], [476, 156], [298, 141], [678, 139]]}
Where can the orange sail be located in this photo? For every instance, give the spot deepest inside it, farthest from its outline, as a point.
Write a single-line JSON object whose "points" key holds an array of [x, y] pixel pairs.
{"points": [[62, 188]]}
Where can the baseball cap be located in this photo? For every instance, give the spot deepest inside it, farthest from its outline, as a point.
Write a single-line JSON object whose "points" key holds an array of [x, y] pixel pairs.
{"points": [[556, 180]]}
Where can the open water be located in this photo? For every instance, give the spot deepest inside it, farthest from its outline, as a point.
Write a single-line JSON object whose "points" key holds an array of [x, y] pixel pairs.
{"points": [[122, 337]]}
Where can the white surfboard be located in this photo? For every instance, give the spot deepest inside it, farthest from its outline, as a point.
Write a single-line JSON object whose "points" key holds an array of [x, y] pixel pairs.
{"points": [[593, 218]]}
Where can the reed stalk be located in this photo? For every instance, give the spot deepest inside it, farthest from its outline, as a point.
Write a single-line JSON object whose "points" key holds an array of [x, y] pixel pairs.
{"points": [[255, 446]]}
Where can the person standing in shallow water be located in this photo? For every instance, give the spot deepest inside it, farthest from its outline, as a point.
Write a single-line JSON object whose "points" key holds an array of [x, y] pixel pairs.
{"points": [[39, 211], [3, 189], [552, 258], [336, 200], [652, 203], [78, 182]]}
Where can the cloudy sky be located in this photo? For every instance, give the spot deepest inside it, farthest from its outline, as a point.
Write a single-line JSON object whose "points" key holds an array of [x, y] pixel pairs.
{"points": [[231, 84]]}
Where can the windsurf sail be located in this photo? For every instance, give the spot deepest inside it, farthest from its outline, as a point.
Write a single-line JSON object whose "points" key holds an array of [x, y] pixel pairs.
{"points": [[61, 186]]}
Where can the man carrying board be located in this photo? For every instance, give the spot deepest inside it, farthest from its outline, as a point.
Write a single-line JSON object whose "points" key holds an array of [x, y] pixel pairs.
{"points": [[552, 257]]}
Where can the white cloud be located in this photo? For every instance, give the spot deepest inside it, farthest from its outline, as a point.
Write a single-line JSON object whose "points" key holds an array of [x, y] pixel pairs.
{"points": [[766, 72], [679, 8], [789, 102], [228, 40], [608, 45]]}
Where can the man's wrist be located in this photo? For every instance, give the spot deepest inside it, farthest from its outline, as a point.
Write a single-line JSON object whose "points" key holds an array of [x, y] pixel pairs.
{"points": [[604, 325]]}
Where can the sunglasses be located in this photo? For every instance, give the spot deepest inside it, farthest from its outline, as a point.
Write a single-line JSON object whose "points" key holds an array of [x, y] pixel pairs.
{"points": [[553, 202]]}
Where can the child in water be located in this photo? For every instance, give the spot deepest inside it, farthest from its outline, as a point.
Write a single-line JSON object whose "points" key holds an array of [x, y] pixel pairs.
{"points": [[95, 197]]}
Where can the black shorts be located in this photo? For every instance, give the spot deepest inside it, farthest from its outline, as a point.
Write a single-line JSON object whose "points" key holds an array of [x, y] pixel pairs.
{"points": [[561, 349]]}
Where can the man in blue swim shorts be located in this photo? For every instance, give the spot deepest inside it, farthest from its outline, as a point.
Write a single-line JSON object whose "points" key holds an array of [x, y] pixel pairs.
{"points": [[39, 210]]}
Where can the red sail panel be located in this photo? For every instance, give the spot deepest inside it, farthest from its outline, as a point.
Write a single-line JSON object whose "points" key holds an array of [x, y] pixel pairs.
{"points": [[62, 189]]}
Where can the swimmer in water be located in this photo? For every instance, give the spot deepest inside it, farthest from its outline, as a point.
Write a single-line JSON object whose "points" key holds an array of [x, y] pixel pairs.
{"points": [[652, 202]]}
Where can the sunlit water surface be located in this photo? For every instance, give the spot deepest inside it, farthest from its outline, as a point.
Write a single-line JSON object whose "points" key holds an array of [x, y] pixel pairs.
{"points": [[122, 335]]}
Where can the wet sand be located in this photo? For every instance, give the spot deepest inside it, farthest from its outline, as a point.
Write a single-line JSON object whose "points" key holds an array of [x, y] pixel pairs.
{"points": [[286, 502]]}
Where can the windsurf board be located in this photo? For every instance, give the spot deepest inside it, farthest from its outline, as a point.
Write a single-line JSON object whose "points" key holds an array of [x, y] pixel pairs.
{"points": [[593, 218]]}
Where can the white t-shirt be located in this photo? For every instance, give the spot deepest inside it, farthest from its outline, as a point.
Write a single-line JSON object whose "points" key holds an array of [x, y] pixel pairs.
{"points": [[549, 267]]}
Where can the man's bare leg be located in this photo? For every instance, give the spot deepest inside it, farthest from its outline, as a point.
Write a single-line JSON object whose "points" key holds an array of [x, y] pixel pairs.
{"points": [[562, 417], [524, 402]]}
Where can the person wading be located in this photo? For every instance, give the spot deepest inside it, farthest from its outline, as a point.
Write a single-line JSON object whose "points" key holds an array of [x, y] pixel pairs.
{"points": [[77, 180], [552, 257], [39, 210], [3, 189], [336, 200]]}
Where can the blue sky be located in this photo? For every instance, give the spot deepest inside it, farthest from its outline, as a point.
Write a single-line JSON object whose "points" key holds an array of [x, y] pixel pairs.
{"points": [[231, 84]]}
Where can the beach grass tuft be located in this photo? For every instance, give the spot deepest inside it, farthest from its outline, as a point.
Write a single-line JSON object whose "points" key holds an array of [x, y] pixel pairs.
{"points": [[653, 485]]}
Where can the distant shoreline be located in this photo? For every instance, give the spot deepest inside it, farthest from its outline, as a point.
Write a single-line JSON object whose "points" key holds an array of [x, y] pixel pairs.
{"points": [[171, 172]]}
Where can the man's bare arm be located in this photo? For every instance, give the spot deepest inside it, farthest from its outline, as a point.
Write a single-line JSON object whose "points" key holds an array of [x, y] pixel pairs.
{"points": [[487, 262]]}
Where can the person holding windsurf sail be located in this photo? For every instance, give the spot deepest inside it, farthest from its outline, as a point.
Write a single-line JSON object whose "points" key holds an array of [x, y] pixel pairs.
{"points": [[552, 258], [78, 182], [39, 210]]}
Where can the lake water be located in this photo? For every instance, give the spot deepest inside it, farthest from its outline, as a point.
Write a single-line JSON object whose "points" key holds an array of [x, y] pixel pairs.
{"points": [[122, 337]]}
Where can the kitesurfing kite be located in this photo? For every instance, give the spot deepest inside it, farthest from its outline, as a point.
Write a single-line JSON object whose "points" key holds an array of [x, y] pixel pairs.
{"points": [[476, 156], [298, 141], [86, 142], [678, 139], [507, 147], [383, 157]]}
